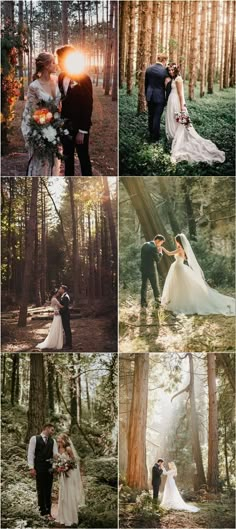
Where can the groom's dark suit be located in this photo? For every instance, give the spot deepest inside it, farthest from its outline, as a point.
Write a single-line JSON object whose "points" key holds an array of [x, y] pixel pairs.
{"points": [[44, 475], [149, 255], [77, 105], [156, 480], [65, 316], [156, 96]]}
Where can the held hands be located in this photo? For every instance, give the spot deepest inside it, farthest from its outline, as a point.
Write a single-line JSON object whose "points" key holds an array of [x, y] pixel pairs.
{"points": [[79, 138]]}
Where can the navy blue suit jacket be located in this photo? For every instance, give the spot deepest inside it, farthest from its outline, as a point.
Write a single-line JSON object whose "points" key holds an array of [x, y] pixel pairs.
{"points": [[155, 83]]}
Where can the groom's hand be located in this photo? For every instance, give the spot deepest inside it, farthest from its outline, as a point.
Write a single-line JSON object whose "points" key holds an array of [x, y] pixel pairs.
{"points": [[33, 472], [79, 138]]}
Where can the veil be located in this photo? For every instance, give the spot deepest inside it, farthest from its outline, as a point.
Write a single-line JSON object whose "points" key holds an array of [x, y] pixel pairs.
{"points": [[80, 488], [192, 261]]}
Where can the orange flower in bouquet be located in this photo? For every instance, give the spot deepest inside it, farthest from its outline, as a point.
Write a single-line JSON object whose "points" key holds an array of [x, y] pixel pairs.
{"points": [[42, 116]]}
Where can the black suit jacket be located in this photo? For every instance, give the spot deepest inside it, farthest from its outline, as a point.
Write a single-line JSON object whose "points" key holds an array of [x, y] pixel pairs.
{"points": [[77, 103], [156, 474], [149, 255], [155, 83], [65, 301]]}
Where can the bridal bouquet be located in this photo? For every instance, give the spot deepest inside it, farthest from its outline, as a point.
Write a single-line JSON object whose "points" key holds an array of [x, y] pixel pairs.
{"points": [[183, 118], [46, 130], [62, 466]]}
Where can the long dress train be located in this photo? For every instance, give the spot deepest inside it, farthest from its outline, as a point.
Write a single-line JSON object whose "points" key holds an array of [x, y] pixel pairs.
{"points": [[187, 144], [186, 292], [171, 496]]}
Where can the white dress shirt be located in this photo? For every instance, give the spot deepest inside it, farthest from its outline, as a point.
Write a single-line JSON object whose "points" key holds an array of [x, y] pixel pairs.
{"points": [[66, 82], [32, 446]]}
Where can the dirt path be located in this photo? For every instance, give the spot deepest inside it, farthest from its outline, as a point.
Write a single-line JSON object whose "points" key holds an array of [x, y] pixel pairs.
{"points": [[88, 334], [160, 331], [103, 140]]}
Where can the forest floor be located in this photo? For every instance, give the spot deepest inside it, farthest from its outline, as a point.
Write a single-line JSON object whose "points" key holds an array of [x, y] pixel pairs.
{"points": [[213, 118], [152, 330], [103, 140], [89, 334], [212, 515]]}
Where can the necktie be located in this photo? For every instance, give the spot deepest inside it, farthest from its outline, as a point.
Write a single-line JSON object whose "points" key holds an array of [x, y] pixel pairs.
{"points": [[45, 440]]}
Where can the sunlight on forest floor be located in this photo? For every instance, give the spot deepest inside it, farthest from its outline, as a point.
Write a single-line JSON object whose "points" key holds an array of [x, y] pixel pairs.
{"points": [[103, 140], [88, 335], [151, 330]]}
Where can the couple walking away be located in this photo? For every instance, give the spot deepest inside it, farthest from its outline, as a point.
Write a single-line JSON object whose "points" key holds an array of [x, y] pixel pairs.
{"points": [[164, 87], [171, 498], [185, 290], [61, 320], [45, 454], [72, 100]]}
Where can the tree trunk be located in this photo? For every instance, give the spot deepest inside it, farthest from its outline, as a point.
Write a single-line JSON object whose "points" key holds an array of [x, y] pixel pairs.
{"points": [[197, 454], [43, 249], [226, 454], [137, 469], [192, 227], [232, 57], [29, 253], [174, 32], [193, 51], [213, 468], [109, 52], [143, 51], [51, 383], [148, 217], [108, 208], [115, 74], [123, 7], [130, 53], [153, 54], [36, 411], [168, 206], [15, 366], [227, 42], [20, 51], [203, 49], [65, 22], [212, 47], [75, 242]]}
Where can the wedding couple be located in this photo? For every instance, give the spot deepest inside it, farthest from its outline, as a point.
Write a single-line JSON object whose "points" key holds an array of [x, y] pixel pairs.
{"points": [[185, 290], [164, 87], [42, 450], [73, 99], [171, 497], [60, 322]]}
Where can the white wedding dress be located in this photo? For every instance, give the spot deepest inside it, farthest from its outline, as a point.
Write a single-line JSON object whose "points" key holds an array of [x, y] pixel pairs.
{"points": [[185, 291], [54, 338], [187, 145], [171, 496], [37, 165], [71, 496]]}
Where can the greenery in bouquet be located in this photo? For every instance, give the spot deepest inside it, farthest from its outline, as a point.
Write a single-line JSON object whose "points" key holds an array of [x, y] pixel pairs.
{"points": [[62, 466], [46, 130]]}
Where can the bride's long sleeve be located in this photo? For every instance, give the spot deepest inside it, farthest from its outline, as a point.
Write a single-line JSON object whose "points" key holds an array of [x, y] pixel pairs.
{"points": [[30, 106]]}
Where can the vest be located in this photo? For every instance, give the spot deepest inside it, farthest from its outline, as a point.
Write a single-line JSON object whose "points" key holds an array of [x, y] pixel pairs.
{"points": [[42, 453]]}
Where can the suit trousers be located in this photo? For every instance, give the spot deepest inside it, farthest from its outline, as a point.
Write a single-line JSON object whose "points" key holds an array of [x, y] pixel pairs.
{"points": [[67, 329], [156, 491], [151, 276], [44, 481], [82, 150], [154, 118]]}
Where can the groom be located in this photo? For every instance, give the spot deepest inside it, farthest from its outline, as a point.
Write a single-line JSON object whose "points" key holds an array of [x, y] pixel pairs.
{"points": [[156, 94], [151, 253], [77, 104], [157, 471], [65, 315], [42, 448]]}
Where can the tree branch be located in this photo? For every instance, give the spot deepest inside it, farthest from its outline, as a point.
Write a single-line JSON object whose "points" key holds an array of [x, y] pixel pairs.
{"points": [[181, 391]]}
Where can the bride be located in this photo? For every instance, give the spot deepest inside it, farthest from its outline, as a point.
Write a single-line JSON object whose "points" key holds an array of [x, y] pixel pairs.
{"points": [[71, 492], [43, 88], [187, 144], [171, 496], [54, 338], [185, 289]]}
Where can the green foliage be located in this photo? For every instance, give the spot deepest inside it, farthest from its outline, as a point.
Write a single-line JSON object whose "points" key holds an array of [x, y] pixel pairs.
{"points": [[104, 469], [213, 118]]}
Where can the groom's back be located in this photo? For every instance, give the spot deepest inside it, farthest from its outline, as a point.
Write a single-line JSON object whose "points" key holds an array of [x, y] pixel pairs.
{"points": [[147, 256], [155, 83]]}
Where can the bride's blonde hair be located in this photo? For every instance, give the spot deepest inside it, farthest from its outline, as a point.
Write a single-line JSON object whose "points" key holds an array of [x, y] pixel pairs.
{"points": [[172, 466], [41, 61]]}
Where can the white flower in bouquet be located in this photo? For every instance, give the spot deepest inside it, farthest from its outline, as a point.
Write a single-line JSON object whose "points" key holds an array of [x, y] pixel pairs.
{"points": [[66, 132], [56, 115], [49, 133]]}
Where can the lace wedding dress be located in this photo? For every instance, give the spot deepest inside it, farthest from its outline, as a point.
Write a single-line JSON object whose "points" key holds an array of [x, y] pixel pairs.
{"points": [[187, 144], [71, 496], [185, 291], [54, 338], [37, 165], [171, 496]]}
